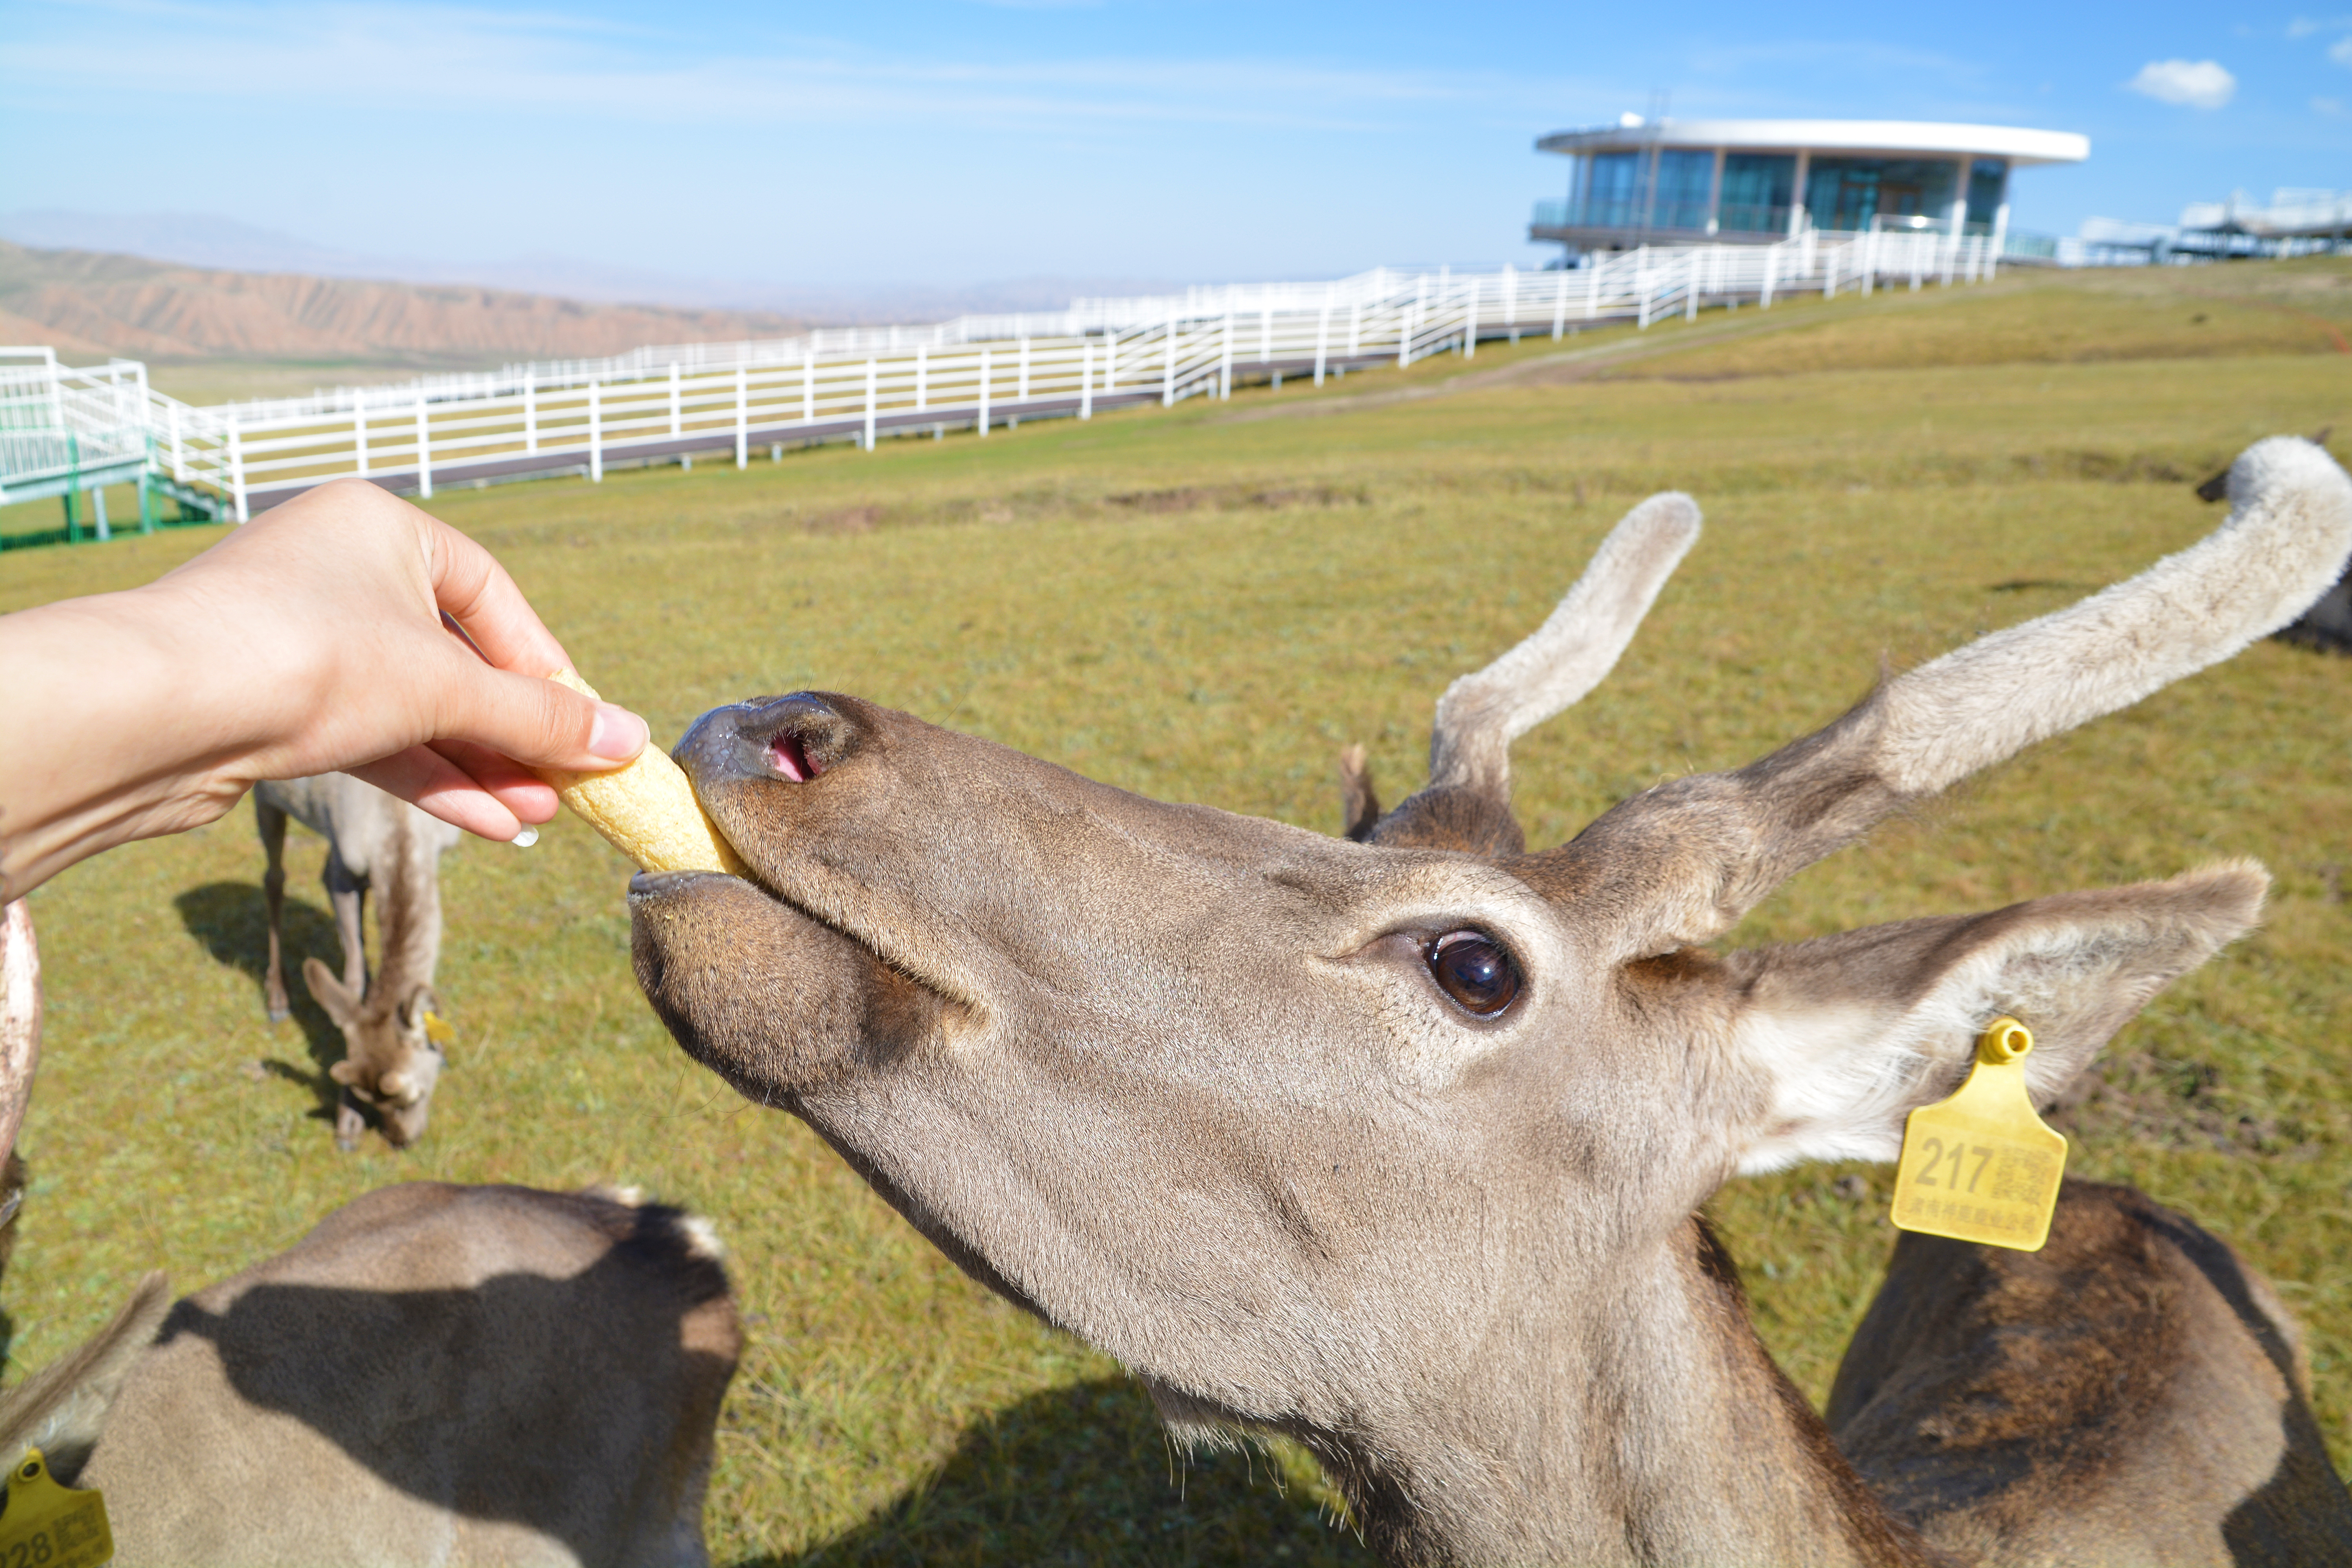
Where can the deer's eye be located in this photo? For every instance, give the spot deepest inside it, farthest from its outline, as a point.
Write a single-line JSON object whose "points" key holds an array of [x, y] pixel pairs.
{"points": [[1473, 968]]}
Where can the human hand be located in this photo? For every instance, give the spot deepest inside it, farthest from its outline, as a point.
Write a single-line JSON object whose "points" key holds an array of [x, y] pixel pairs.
{"points": [[311, 639]]}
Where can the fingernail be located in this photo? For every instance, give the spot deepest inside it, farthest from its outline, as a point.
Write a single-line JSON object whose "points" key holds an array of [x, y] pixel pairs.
{"points": [[526, 838], [619, 734]]}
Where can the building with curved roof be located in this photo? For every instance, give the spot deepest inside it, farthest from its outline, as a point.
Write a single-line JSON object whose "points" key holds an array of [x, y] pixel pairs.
{"points": [[1682, 182]]}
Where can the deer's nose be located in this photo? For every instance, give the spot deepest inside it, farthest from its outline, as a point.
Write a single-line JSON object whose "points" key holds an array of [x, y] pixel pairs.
{"points": [[794, 739]]}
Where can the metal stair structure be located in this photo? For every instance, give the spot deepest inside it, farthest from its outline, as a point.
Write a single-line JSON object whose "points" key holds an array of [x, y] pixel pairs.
{"points": [[64, 430]]}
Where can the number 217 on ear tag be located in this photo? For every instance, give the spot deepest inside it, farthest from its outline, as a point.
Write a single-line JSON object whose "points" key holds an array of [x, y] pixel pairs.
{"points": [[1981, 1166]]}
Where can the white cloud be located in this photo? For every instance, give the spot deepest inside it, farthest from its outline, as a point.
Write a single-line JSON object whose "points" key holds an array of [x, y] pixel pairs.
{"points": [[2304, 27], [2340, 51], [2200, 84], [2331, 106]]}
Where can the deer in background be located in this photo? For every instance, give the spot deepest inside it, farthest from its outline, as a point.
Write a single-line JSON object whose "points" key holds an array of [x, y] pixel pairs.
{"points": [[1397, 1146], [392, 1059], [456, 1376]]}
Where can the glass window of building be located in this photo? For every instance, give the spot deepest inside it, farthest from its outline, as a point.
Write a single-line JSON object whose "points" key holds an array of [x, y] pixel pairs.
{"points": [[1988, 184], [1757, 190], [1853, 193], [1685, 184], [1613, 188]]}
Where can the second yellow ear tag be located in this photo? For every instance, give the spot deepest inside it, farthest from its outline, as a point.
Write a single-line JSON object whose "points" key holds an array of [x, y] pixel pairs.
{"points": [[437, 1029], [1981, 1166]]}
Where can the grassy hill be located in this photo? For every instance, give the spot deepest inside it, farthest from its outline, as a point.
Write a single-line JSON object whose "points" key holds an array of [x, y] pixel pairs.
{"points": [[1206, 604]]}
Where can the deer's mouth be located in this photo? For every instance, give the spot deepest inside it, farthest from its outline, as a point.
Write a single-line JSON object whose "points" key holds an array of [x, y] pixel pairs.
{"points": [[771, 997]]}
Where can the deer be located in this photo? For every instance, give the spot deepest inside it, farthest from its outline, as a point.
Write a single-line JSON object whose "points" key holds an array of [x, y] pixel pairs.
{"points": [[436, 1373], [1396, 1145], [392, 1056]]}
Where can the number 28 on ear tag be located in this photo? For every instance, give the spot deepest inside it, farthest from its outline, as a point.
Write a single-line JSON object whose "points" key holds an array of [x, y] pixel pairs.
{"points": [[44, 1525], [1981, 1166]]}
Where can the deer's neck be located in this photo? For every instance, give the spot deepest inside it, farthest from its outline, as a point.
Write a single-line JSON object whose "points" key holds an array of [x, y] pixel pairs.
{"points": [[1654, 1431], [409, 908]]}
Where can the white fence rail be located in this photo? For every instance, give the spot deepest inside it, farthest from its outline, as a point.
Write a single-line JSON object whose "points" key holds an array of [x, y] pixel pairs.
{"points": [[979, 371], [63, 430]]}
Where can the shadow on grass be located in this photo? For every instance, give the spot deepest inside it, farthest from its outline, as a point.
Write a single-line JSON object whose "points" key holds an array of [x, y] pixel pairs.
{"points": [[232, 920], [1084, 1475]]}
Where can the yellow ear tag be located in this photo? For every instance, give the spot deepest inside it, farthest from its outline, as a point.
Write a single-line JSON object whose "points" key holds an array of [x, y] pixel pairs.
{"points": [[1981, 1166], [54, 1526], [437, 1029]]}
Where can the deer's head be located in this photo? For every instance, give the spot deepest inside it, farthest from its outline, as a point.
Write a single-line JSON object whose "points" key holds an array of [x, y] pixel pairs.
{"points": [[391, 1062], [1302, 1129]]}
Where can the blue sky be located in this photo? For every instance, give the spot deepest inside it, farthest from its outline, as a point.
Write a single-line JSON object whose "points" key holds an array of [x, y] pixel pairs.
{"points": [[960, 141]]}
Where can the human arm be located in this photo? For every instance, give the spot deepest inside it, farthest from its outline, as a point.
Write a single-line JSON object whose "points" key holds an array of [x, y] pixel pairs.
{"points": [[309, 640]]}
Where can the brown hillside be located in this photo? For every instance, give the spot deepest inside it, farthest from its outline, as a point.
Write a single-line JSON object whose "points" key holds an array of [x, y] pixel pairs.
{"points": [[89, 303]]}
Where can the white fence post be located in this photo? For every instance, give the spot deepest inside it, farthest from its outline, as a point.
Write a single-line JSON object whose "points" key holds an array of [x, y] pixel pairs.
{"points": [[983, 392], [1355, 327], [1168, 383], [237, 468], [869, 405], [595, 434], [808, 384], [530, 412], [1690, 288], [359, 433], [1085, 378], [1771, 257], [1226, 360], [1264, 334], [676, 428], [1322, 339], [1470, 324], [1560, 308], [743, 417], [1023, 395], [424, 450], [1592, 291], [923, 374]]}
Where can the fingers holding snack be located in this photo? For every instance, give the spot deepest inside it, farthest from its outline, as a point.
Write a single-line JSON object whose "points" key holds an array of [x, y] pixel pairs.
{"points": [[645, 810]]}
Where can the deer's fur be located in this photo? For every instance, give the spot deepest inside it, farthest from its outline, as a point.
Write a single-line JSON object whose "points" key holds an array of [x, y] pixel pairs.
{"points": [[457, 1376], [376, 842], [1187, 1084]]}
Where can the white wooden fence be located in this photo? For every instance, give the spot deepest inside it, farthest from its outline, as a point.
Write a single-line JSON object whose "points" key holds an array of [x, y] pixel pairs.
{"points": [[673, 402]]}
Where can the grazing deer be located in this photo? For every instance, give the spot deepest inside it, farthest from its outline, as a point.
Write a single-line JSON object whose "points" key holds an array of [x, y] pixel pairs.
{"points": [[1396, 1146], [392, 1059], [434, 1375]]}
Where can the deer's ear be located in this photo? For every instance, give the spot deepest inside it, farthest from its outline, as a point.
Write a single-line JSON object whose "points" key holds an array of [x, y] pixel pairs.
{"points": [[1851, 1033], [332, 995]]}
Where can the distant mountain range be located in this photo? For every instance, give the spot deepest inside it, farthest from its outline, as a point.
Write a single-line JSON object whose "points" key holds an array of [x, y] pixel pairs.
{"points": [[222, 244], [90, 304]]}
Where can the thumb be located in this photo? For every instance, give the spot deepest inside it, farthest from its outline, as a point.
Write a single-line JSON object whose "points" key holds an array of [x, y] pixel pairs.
{"points": [[539, 723]]}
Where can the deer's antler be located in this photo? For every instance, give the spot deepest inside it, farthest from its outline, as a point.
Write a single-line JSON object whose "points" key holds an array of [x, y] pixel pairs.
{"points": [[1467, 802], [1682, 862]]}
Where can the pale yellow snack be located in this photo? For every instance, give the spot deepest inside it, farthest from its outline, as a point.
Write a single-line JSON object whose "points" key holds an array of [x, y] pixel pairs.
{"points": [[647, 810]]}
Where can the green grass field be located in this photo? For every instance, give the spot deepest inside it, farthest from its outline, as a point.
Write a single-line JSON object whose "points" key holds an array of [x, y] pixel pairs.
{"points": [[1206, 604]]}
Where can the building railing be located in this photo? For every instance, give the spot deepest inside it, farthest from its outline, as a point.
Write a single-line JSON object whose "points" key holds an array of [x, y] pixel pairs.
{"points": [[977, 372]]}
